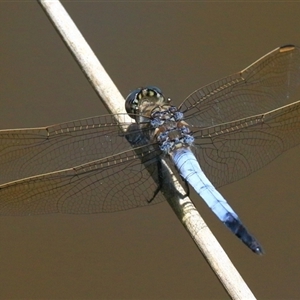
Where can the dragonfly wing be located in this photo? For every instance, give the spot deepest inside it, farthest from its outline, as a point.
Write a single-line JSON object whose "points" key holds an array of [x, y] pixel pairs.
{"points": [[115, 183], [233, 150], [34, 151], [269, 83]]}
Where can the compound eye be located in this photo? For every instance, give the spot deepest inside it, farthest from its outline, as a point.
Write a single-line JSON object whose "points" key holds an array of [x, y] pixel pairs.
{"points": [[145, 96], [131, 102]]}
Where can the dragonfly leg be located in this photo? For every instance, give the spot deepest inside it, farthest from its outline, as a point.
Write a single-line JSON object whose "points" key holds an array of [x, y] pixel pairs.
{"points": [[159, 179], [187, 187]]}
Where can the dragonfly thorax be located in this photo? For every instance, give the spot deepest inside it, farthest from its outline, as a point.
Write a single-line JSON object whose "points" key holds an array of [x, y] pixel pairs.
{"points": [[152, 110], [173, 135]]}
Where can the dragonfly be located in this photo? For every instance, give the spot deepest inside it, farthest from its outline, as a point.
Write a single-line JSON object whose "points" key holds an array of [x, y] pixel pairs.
{"points": [[219, 134]]}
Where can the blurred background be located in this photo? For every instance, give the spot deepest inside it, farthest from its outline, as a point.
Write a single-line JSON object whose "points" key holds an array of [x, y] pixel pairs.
{"points": [[144, 253]]}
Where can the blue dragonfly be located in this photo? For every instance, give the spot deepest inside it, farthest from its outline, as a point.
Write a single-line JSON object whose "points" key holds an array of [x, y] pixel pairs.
{"points": [[220, 133]]}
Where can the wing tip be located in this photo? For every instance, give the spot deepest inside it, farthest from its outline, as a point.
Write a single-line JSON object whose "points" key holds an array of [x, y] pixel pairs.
{"points": [[287, 48]]}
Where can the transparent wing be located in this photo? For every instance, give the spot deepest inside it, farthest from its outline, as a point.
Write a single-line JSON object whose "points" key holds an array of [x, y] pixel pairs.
{"points": [[109, 175], [269, 83], [231, 151], [118, 182], [34, 151]]}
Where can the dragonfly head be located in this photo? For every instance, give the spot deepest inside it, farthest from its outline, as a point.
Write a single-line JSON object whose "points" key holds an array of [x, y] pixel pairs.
{"points": [[142, 101]]}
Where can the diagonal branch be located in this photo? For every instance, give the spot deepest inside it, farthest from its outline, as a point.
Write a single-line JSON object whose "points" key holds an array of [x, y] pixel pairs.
{"points": [[183, 207]]}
